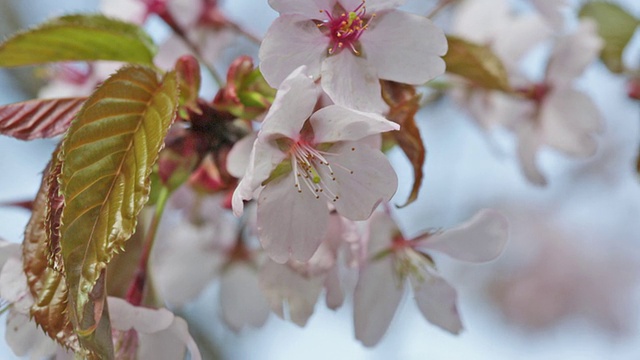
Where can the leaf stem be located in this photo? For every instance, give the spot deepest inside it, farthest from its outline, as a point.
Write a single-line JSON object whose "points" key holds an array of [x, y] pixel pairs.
{"points": [[136, 289]]}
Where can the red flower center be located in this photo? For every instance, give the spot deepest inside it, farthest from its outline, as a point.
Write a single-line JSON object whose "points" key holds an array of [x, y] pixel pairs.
{"points": [[345, 30]]}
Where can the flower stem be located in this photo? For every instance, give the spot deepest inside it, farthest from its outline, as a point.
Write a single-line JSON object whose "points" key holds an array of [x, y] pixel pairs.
{"points": [[136, 289]]}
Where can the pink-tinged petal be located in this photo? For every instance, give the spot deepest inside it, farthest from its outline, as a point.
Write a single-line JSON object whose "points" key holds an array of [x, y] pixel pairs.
{"points": [[570, 120], [170, 343], [263, 159], [436, 300], [241, 300], [528, 144], [363, 179], [125, 316], [291, 224], [193, 257], [185, 12], [310, 8], [8, 250], [337, 123], [283, 286], [290, 42], [382, 229], [376, 299], [239, 156], [294, 103], [134, 11], [372, 6], [573, 53], [13, 285], [520, 35], [24, 337], [480, 21], [334, 294], [404, 47], [482, 238], [552, 11], [352, 81]]}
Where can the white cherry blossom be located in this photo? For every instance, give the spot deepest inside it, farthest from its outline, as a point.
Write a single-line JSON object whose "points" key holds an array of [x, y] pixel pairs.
{"points": [[302, 161]]}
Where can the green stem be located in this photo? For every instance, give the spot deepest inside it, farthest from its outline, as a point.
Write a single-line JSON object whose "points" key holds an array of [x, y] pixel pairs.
{"points": [[136, 289]]}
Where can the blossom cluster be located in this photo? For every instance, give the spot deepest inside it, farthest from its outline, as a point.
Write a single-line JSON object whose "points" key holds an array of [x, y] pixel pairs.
{"points": [[279, 185]]}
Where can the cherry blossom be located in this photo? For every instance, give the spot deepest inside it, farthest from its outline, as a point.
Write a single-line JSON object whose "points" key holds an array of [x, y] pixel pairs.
{"points": [[308, 160], [351, 45], [393, 260]]}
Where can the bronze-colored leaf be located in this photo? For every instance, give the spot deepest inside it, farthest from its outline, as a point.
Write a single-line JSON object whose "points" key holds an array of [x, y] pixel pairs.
{"points": [[476, 63], [37, 119], [108, 154], [46, 285], [404, 103]]}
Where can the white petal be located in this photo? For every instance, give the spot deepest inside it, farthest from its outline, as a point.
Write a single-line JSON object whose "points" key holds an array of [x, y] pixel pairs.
{"points": [[404, 47], [263, 159], [364, 178], [125, 316], [436, 300], [569, 120], [352, 81], [291, 41], [552, 11], [573, 53], [281, 285], [382, 230], [7, 250], [375, 300], [169, 343], [372, 5], [335, 294], [482, 238], [310, 9], [294, 103], [24, 337], [134, 11], [519, 36], [239, 156], [291, 224], [241, 300], [185, 12], [480, 21], [337, 123], [528, 144], [13, 285]]}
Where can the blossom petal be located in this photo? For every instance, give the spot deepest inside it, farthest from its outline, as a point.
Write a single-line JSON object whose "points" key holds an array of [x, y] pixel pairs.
{"points": [[241, 300], [569, 120], [528, 144], [352, 81], [310, 9], [436, 300], [169, 343], [125, 316], [263, 159], [337, 123], [480, 21], [281, 285], [382, 229], [24, 337], [552, 11], [239, 156], [518, 37], [294, 103], [372, 5], [573, 53], [13, 285], [291, 41], [291, 224], [363, 179], [375, 300], [334, 295], [404, 47], [482, 238]]}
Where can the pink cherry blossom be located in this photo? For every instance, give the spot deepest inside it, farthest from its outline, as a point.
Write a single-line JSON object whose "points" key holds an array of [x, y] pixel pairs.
{"points": [[393, 260], [308, 160], [351, 45]]}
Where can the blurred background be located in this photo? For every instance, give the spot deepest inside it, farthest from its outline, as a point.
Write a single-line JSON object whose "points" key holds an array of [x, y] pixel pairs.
{"points": [[565, 288]]}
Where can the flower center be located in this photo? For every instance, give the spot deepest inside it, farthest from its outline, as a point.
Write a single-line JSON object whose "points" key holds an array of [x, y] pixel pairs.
{"points": [[345, 30], [312, 170]]}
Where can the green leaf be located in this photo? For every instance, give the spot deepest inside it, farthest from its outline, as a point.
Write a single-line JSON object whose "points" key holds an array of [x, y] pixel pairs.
{"points": [[108, 155], [78, 38], [476, 63], [615, 26]]}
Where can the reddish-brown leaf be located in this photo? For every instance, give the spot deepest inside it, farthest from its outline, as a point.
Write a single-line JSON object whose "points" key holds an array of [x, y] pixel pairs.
{"points": [[404, 102], [38, 119], [47, 286]]}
